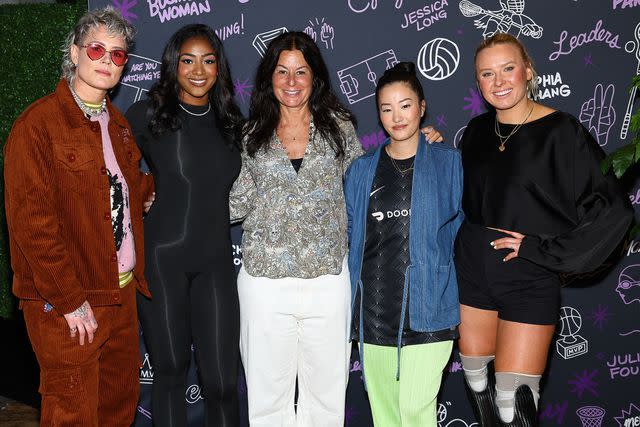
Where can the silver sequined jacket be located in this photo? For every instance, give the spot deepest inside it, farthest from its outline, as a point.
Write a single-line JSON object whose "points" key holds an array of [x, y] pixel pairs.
{"points": [[295, 224]]}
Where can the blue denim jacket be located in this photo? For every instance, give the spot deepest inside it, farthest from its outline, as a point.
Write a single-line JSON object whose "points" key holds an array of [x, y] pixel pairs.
{"points": [[436, 215]]}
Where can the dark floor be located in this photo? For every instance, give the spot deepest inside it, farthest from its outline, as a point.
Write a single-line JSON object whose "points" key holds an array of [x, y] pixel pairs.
{"points": [[16, 414]]}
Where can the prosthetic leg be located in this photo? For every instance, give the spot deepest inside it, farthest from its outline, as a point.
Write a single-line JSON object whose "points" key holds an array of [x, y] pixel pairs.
{"points": [[525, 411], [517, 398], [478, 377]]}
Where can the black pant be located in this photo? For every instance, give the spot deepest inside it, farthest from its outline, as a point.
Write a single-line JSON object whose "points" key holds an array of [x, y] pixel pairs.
{"points": [[203, 307]]}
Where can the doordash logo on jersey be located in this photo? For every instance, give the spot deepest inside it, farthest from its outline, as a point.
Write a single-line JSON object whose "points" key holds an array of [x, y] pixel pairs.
{"points": [[397, 213]]}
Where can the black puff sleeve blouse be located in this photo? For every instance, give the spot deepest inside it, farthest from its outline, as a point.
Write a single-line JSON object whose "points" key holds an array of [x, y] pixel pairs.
{"points": [[546, 184]]}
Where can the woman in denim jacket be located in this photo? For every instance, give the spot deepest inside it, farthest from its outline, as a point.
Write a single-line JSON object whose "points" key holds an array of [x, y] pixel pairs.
{"points": [[404, 210]]}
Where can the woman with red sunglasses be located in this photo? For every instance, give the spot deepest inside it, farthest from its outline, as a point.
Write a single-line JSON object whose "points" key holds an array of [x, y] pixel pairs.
{"points": [[74, 203]]}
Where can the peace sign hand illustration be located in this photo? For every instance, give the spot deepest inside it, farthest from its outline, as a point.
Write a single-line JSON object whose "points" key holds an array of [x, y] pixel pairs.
{"points": [[598, 114]]}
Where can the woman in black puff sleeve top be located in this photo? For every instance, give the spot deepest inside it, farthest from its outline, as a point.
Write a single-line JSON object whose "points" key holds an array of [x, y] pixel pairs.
{"points": [[187, 131], [536, 204]]}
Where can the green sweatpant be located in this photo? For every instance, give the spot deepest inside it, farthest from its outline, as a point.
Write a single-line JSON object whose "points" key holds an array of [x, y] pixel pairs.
{"points": [[412, 401]]}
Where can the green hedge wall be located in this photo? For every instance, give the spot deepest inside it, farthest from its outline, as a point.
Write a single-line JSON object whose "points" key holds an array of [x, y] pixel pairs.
{"points": [[30, 59]]}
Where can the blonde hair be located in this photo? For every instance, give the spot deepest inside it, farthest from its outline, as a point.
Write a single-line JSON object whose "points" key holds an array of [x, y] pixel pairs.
{"points": [[504, 38], [108, 17]]}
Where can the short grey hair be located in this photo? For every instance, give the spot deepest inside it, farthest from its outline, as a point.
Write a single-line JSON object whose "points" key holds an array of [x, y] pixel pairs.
{"points": [[108, 17]]}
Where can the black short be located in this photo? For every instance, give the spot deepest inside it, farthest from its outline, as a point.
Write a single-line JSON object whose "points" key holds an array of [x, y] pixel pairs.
{"points": [[519, 290]]}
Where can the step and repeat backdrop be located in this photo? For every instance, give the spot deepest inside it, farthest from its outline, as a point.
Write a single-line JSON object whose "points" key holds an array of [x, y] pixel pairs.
{"points": [[585, 52]]}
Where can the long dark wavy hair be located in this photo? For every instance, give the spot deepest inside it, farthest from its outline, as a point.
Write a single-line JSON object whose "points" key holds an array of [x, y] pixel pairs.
{"points": [[326, 109], [165, 93]]}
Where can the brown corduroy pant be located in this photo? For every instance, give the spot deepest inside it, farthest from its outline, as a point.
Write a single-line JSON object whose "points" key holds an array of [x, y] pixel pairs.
{"points": [[91, 385]]}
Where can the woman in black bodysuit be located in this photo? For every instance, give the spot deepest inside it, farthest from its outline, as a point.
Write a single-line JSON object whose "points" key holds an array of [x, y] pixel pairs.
{"points": [[187, 131]]}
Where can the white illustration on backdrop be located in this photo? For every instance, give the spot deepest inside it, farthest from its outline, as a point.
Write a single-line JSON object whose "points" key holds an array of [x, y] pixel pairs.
{"points": [[146, 371], [570, 344], [438, 59], [505, 20], [630, 47], [591, 416], [358, 81], [598, 115], [141, 73], [320, 31], [441, 417], [193, 394], [458, 136], [261, 40]]}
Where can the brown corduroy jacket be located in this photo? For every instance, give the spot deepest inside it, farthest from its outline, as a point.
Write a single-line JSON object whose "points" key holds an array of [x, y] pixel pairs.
{"points": [[58, 204]]}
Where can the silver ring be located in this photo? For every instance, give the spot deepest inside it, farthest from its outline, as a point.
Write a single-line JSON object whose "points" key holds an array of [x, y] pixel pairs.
{"points": [[74, 329]]}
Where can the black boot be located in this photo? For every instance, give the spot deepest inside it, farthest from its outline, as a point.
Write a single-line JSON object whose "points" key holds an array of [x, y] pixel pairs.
{"points": [[525, 411], [483, 404]]}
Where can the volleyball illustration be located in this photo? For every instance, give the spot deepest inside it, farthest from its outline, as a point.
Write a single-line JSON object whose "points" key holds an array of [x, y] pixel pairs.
{"points": [[438, 59]]}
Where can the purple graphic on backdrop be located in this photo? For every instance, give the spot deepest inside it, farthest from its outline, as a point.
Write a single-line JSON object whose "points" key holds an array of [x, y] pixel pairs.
{"points": [[600, 316], [425, 16], [372, 140], [630, 418], [358, 81], [588, 60], [590, 416], [234, 28], [509, 19], [166, 10], [554, 412], [350, 414], [597, 34], [124, 7], [583, 382], [475, 103], [441, 120], [624, 365], [598, 115], [243, 89], [629, 284]]}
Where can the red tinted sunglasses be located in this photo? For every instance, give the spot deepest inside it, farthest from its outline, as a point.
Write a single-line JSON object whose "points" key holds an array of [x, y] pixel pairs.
{"points": [[96, 51]]}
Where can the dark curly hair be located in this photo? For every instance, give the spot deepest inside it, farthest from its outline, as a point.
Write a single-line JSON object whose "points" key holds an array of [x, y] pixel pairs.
{"points": [[165, 93], [326, 109]]}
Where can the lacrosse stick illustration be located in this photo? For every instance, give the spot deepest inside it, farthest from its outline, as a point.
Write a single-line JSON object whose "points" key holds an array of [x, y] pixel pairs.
{"points": [[471, 10], [632, 94]]}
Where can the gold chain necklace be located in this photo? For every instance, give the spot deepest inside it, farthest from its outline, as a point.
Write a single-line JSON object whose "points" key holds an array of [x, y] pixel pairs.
{"points": [[395, 165], [503, 139]]}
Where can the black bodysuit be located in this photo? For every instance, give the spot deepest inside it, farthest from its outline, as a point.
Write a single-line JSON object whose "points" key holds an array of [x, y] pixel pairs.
{"points": [[189, 266]]}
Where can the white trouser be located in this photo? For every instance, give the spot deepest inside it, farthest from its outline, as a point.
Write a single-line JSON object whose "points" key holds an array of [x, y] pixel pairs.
{"points": [[292, 327]]}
